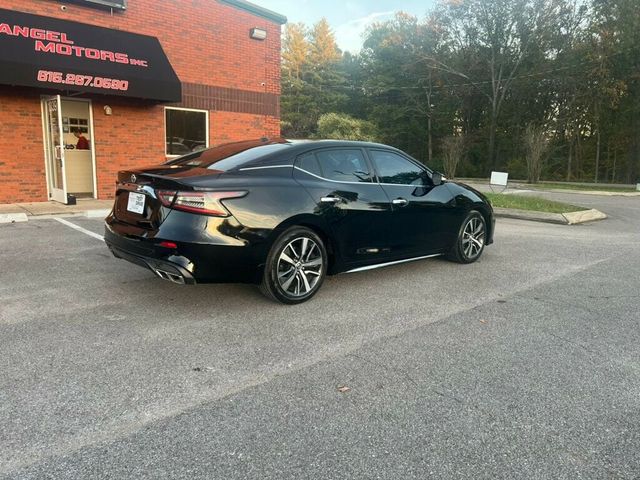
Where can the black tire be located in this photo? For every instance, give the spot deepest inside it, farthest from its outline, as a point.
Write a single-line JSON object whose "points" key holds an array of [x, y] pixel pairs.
{"points": [[466, 249], [285, 278]]}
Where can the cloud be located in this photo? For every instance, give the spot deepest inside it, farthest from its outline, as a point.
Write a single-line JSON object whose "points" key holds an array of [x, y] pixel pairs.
{"points": [[349, 34]]}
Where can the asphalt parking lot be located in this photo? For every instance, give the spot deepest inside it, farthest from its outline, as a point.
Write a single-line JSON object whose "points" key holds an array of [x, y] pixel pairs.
{"points": [[525, 364]]}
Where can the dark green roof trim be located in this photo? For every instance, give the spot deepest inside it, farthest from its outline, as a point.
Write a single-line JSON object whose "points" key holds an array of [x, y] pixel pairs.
{"points": [[256, 10]]}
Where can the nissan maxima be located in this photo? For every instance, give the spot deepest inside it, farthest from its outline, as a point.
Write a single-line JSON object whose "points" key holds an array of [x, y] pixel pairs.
{"points": [[284, 214]]}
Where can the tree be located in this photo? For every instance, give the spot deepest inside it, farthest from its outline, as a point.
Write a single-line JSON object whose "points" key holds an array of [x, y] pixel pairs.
{"points": [[295, 50], [484, 69], [311, 77], [295, 55], [492, 38], [535, 143], [452, 152], [401, 87], [617, 26], [324, 49], [340, 126]]}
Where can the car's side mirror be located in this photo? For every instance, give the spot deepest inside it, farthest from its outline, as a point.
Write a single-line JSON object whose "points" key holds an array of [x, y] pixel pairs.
{"points": [[436, 179]]}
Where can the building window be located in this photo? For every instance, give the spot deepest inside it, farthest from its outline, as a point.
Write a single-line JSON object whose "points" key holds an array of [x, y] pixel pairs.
{"points": [[186, 130]]}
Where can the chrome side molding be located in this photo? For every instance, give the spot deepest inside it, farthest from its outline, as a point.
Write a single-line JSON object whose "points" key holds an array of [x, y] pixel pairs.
{"points": [[387, 264]]}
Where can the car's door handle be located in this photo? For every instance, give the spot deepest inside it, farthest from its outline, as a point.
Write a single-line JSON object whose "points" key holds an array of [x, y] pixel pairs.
{"points": [[401, 202], [330, 199]]}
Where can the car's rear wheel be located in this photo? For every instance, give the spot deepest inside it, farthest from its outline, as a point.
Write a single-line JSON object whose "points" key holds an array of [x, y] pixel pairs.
{"points": [[471, 240], [296, 266]]}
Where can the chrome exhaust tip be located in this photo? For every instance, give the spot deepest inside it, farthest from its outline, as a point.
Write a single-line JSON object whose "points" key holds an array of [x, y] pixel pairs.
{"points": [[170, 276]]}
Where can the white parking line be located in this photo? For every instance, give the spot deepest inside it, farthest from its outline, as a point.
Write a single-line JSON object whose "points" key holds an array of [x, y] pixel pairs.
{"points": [[80, 229]]}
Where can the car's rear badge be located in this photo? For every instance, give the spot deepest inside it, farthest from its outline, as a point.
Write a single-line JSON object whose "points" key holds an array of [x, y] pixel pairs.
{"points": [[133, 178]]}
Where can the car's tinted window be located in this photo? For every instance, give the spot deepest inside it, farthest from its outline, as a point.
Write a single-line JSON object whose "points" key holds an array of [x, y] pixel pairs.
{"points": [[344, 165], [309, 162], [231, 155], [393, 168]]}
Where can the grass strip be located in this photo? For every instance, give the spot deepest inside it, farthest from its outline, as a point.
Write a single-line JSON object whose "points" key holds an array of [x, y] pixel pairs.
{"points": [[534, 204], [566, 186]]}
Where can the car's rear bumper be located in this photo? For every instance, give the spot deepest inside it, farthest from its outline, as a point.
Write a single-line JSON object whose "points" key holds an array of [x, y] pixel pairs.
{"points": [[164, 269], [194, 260]]}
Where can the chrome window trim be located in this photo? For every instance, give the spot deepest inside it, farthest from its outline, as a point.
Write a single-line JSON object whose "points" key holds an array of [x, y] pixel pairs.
{"points": [[266, 166], [403, 185], [358, 183], [334, 181]]}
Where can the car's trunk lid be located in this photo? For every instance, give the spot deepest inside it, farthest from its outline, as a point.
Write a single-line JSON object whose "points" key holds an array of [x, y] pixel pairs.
{"points": [[137, 200]]}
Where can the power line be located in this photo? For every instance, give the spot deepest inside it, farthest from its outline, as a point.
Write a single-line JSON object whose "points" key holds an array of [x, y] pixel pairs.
{"points": [[481, 82]]}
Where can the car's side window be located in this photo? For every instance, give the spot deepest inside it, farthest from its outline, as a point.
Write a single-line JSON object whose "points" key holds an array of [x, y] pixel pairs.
{"points": [[393, 168], [309, 162], [348, 165]]}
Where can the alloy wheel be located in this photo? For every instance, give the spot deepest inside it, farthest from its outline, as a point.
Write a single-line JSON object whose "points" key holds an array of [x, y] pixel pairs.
{"points": [[473, 237], [299, 267]]}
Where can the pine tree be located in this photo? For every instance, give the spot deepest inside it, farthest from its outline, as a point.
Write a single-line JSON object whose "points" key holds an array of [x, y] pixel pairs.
{"points": [[295, 50]]}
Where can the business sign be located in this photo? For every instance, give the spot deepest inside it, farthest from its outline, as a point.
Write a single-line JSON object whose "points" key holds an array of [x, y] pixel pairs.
{"points": [[117, 4], [38, 51]]}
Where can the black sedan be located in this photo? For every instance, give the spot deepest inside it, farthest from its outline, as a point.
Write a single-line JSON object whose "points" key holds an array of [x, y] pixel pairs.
{"points": [[284, 214]]}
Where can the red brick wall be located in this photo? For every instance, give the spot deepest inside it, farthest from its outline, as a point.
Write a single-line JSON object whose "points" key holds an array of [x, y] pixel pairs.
{"points": [[22, 170], [206, 42], [138, 137], [132, 136]]}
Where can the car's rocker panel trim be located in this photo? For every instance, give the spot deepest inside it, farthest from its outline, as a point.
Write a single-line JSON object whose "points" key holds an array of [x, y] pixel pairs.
{"points": [[387, 264]]}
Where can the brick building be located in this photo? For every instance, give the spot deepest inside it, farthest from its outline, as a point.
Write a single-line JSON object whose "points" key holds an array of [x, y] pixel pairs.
{"points": [[90, 87]]}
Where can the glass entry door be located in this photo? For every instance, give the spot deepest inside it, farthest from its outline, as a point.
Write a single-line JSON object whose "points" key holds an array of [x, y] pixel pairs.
{"points": [[54, 148]]}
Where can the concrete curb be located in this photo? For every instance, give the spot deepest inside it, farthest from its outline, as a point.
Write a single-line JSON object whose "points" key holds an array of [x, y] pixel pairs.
{"points": [[530, 215], [599, 193], [584, 216], [23, 217], [571, 218], [13, 217], [97, 213], [515, 185]]}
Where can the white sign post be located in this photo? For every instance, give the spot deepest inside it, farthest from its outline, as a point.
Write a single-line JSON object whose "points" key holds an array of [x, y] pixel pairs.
{"points": [[499, 179]]}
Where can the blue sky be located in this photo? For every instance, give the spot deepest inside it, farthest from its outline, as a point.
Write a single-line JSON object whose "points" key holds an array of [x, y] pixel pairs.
{"points": [[349, 18]]}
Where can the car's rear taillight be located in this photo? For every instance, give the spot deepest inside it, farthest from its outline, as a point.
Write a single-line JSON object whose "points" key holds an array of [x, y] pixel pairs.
{"points": [[206, 203], [166, 197]]}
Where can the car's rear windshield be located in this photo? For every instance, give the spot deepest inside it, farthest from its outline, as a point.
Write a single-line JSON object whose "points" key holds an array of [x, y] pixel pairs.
{"points": [[231, 155]]}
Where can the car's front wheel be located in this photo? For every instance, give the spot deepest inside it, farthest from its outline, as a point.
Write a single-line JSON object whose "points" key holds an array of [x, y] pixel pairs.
{"points": [[471, 240], [296, 266]]}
